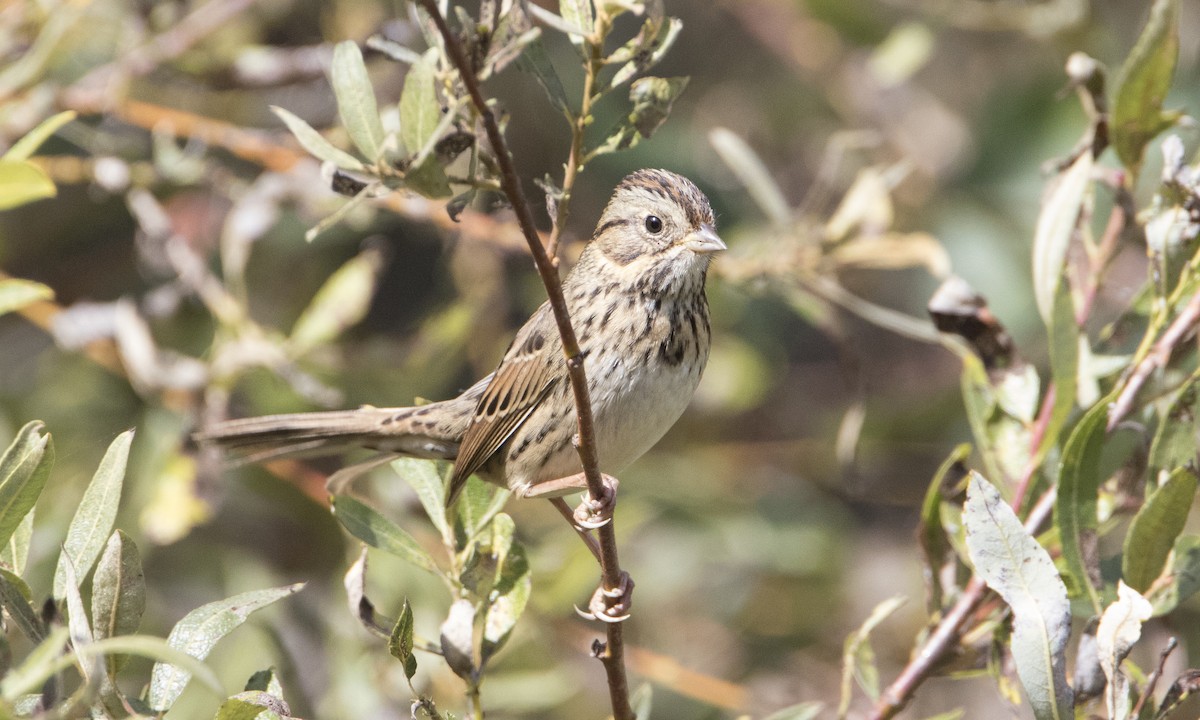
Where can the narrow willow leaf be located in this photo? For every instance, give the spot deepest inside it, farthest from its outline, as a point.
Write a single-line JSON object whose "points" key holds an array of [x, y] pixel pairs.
{"points": [[1055, 228], [803, 711], [753, 175], [858, 658], [338, 215], [356, 100], [198, 632], [15, 553], [16, 293], [476, 506], [366, 524], [1020, 570], [37, 667], [980, 403], [24, 468], [1143, 83], [1065, 338], [15, 596], [577, 14], [659, 37], [1175, 439], [315, 143], [420, 111], [423, 477], [22, 182], [1155, 528], [24, 148], [536, 60], [508, 598], [931, 532], [400, 644], [77, 622], [96, 515], [1075, 505], [118, 592], [1185, 576], [1120, 627], [340, 303]]}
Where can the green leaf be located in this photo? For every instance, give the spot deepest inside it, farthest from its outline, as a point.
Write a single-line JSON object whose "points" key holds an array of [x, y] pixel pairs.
{"points": [[1143, 83], [577, 14], [24, 148], [15, 596], [97, 512], [266, 681], [1065, 338], [803, 711], [1075, 505], [858, 658], [197, 633], [423, 477], [753, 175], [1185, 576], [15, 552], [1120, 627], [252, 705], [1055, 228], [24, 468], [16, 293], [1020, 570], [420, 111], [510, 594], [118, 592], [79, 625], [1155, 528], [366, 524], [400, 644], [340, 303], [428, 178], [536, 60], [652, 99], [476, 506], [1175, 438], [647, 48], [931, 532], [22, 182], [356, 100], [315, 143]]}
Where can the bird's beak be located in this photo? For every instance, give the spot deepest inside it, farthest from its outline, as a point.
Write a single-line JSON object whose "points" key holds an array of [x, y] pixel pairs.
{"points": [[705, 240]]}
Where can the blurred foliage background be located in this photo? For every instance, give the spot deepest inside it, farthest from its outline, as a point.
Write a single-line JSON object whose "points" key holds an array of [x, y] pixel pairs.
{"points": [[763, 528]]}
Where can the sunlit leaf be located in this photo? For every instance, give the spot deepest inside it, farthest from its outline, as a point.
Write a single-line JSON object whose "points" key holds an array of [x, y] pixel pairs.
{"points": [[252, 705], [340, 303], [97, 512], [858, 658], [1020, 570], [931, 532], [22, 182], [753, 175], [419, 107], [642, 701], [1055, 228], [400, 644], [652, 99], [476, 506], [24, 148], [15, 552], [866, 207], [1120, 627], [510, 593], [1065, 338], [24, 468], [1075, 505], [648, 47], [803, 711], [423, 476], [577, 14], [16, 293], [458, 639], [78, 624], [366, 524], [315, 143], [1143, 83], [198, 632], [1154, 529], [356, 100], [428, 178], [118, 592]]}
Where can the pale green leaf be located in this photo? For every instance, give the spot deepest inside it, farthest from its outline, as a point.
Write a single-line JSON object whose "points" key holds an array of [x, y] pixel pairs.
{"points": [[1075, 504], [97, 512], [315, 143], [345, 209], [340, 303], [457, 637], [1055, 228], [420, 111], [1185, 576], [356, 100], [651, 45], [803, 711], [577, 14], [753, 175], [423, 476], [642, 701], [15, 596], [509, 595], [197, 633], [1065, 339], [1013, 564], [428, 178], [1143, 83], [22, 182], [252, 705], [24, 468], [366, 524], [24, 148], [16, 293], [1154, 529], [118, 592], [15, 552], [858, 658], [1175, 438]]}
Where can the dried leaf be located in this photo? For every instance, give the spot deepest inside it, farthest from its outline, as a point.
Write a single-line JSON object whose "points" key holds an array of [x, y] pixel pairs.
{"points": [[1120, 627]]}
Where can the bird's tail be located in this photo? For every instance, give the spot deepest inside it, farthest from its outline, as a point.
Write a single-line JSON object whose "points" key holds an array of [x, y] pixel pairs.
{"points": [[429, 431]]}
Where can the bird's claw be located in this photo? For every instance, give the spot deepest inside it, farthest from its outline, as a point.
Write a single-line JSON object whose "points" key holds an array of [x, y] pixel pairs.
{"points": [[610, 605], [592, 513]]}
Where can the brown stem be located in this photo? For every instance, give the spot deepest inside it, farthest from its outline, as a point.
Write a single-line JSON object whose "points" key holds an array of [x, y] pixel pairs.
{"points": [[1158, 357], [612, 654]]}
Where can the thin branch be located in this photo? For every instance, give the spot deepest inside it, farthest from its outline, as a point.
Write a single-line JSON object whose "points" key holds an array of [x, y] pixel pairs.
{"points": [[612, 654], [1158, 358]]}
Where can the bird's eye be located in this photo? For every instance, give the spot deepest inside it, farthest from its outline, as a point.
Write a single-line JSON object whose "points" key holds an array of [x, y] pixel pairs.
{"points": [[654, 224]]}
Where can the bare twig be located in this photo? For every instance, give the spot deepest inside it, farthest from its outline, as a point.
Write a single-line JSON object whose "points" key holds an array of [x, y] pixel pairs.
{"points": [[1155, 676], [612, 653], [1157, 358]]}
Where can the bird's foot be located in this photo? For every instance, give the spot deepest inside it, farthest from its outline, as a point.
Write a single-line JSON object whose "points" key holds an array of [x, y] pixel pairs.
{"points": [[594, 513], [611, 605]]}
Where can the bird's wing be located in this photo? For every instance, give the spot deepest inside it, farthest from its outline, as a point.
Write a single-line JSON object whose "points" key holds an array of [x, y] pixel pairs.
{"points": [[527, 372]]}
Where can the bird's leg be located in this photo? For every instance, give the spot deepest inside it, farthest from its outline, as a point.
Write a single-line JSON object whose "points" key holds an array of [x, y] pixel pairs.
{"points": [[611, 605], [590, 514]]}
